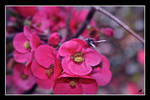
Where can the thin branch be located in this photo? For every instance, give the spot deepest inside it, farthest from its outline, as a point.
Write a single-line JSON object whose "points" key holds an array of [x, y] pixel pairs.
{"points": [[126, 27], [69, 33], [86, 22]]}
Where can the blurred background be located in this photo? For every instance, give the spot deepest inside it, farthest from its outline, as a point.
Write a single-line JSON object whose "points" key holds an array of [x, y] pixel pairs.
{"points": [[122, 49]]}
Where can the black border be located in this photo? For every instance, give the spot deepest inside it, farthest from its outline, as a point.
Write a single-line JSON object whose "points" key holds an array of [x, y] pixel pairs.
{"points": [[73, 2]]}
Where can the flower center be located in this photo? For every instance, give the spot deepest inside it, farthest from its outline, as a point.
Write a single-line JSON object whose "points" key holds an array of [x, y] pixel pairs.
{"points": [[49, 71], [24, 76], [78, 57], [27, 45], [39, 24], [72, 84]]}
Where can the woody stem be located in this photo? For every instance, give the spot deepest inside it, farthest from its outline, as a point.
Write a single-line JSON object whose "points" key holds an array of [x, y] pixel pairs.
{"points": [[122, 24]]}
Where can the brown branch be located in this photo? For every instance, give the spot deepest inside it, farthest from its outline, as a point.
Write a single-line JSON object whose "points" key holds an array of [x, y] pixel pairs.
{"points": [[126, 27]]}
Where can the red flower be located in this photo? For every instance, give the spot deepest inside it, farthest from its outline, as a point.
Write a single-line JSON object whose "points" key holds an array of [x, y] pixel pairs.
{"points": [[66, 84], [92, 32], [78, 57], [46, 66], [25, 43]]}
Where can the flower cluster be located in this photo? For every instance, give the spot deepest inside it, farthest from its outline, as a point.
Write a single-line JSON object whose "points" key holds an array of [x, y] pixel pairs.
{"points": [[65, 67]]}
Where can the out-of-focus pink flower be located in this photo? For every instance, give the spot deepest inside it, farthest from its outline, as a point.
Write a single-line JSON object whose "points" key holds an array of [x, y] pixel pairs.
{"points": [[107, 31], [140, 57], [132, 89], [26, 11], [25, 43], [57, 19], [92, 32], [66, 84], [41, 22], [102, 73], [54, 39], [45, 67], [20, 81], [78, 57], [78, 18]]}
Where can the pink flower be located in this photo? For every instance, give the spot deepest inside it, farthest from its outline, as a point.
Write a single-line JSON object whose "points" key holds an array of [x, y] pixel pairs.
{"points": [[108, 31], [77, 19], [19, 80], [46, 66], [66, 84], [140, 57], [41, 22], [78, 57], [92, 32], [102, 73], [26, 11], [25, 43], [54, 39], [57, 19]]}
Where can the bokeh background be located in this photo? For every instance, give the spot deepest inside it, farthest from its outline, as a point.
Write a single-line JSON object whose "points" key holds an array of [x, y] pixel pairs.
{"points": [[128, 74]]}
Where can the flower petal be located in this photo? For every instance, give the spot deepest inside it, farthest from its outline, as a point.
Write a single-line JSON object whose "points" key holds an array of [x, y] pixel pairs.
{"points": [[79, 69], [105, 63], [35, 41], [92, 57], [27, 32], [68, 48], [47, 83], [62, 86], [89, 86], [38, 71], [103, 77], [21, 57], [19, 41], [44, 55]]}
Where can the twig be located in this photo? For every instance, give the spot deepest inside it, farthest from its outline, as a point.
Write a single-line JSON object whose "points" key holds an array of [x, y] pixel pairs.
{"points": [[69, 33], [86, 22], [126, 27]]}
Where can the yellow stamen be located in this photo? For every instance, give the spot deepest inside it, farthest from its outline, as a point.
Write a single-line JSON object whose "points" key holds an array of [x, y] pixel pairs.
{"points": [[72, 84], [79, 59], [24, 76], [39, 24], [48, 73], [26, 45]]}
